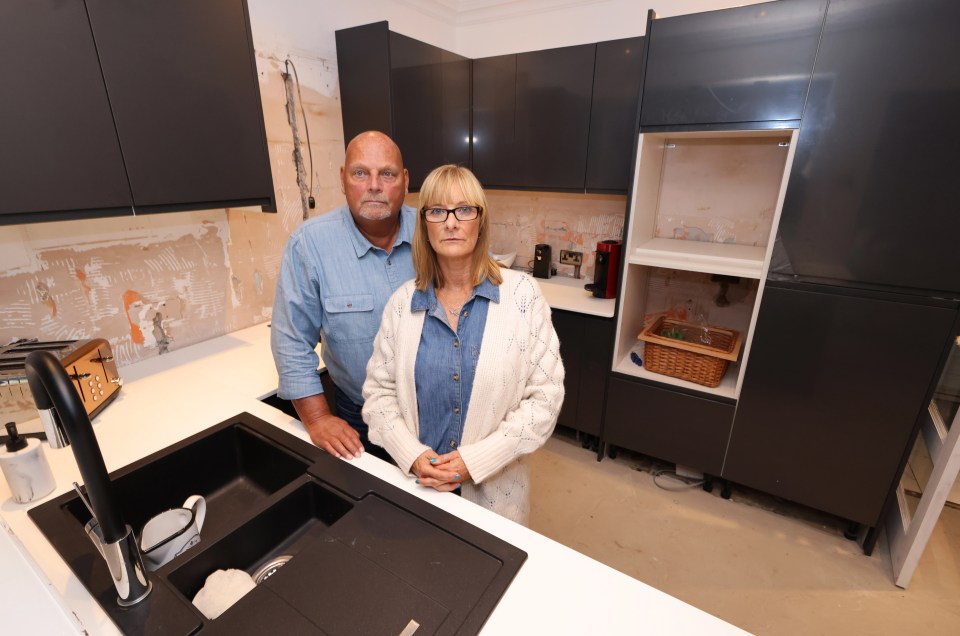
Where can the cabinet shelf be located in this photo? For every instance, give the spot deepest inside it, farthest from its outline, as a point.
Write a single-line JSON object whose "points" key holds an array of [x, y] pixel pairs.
{"points": [[727, 387], [698, 256]]}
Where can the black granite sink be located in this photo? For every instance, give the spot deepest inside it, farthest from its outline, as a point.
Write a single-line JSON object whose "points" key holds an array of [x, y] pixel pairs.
{"points": [[364, 557]]}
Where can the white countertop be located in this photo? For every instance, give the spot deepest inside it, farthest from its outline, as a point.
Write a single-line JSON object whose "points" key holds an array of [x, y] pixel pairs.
{"points": [[563, 292], [163, 400]]}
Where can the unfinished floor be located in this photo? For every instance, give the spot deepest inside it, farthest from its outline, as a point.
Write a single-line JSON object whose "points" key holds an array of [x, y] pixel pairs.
{"points": [[760, 563]]}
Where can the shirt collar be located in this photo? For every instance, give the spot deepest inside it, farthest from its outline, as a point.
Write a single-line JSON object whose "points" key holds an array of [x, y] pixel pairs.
{"points": [[427, 299], [361, 245]]}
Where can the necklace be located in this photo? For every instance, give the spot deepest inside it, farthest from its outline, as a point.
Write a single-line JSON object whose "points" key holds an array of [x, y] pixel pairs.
{"points": [[454, 311]]}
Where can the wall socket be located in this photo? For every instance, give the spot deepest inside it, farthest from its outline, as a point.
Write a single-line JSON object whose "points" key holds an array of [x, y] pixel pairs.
{"points": [[570, 257]]}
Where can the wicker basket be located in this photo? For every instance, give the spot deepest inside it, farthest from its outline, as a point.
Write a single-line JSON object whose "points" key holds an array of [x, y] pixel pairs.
{"points": [[689, 358]]}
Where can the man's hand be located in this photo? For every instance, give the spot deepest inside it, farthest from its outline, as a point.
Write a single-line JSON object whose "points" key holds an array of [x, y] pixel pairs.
{"points": [[326, 430]]}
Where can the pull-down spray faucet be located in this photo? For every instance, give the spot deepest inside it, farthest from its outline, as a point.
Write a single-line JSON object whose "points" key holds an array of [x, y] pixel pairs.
{"points": [[60, 406]]}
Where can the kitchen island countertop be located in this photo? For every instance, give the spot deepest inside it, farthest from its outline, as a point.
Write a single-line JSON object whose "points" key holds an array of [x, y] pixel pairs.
{"points": [[165, 399]]}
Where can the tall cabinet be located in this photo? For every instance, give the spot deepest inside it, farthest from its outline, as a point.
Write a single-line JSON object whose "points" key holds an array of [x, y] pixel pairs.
{"points": [[714, 155], [866, 271]]}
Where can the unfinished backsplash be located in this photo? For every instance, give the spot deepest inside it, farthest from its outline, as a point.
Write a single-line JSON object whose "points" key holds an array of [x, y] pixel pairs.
{"points": [[521, 220]]}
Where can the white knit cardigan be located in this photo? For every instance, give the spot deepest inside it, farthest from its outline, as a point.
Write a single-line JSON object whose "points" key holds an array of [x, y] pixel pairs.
{"points": [[517, 392]]}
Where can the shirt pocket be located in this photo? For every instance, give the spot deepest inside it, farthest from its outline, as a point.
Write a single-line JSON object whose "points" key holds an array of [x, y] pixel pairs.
{"points": [[350, 318]]}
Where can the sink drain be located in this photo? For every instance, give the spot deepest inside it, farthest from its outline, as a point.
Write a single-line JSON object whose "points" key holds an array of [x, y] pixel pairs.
{"points": [[269, 569]]}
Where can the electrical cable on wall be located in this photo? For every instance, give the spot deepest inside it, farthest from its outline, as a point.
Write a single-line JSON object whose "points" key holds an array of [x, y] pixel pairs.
{"points": [[310, 202]]}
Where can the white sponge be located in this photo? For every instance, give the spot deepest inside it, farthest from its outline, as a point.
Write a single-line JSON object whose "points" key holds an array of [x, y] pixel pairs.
{"points": [[222, 589]]}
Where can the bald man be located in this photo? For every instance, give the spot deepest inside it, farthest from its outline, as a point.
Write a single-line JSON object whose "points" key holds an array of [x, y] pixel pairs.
{"points": [[337, 273]]}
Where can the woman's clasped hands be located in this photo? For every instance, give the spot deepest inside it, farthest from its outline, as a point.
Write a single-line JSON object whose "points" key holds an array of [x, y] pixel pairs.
{"points": [[440, 472]]}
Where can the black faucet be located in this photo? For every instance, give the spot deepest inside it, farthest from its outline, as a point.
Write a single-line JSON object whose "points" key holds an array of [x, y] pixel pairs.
{"points": [[67, 424]]}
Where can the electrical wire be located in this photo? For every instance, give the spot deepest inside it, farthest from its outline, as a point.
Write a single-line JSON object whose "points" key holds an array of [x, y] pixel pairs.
{"points": [[683, 482], [288, 64]]}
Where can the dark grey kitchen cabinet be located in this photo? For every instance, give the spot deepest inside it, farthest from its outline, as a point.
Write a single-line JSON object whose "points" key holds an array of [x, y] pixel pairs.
{"points": [[59, 151], [495, 134], [613, 115], [130, 107], [872, 198], [832, 391], [531, 126], [742, 67], [417, 93], [678, 427], [182, 82], [586, 347]]}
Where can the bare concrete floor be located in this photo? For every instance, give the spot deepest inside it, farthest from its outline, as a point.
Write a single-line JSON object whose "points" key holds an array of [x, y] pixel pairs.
{"points": [[757, 562]]}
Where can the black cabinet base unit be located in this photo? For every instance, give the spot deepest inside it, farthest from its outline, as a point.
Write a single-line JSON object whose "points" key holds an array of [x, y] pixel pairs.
{"points": [[586, 347], [677, 427], [831, 396]]}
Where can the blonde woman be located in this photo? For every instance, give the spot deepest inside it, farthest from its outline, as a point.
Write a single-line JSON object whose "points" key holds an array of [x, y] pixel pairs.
{"points": [[465, 377]]}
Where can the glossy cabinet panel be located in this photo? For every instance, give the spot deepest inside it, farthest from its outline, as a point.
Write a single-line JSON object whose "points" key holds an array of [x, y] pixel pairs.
{"points": [[54, 163], [586, 346], [613, 115], [431, 112], [872, 196], [738, 65], [669, 425], [831, 395], [183, 87], [495, 134], [363, 64], [554, 89]]}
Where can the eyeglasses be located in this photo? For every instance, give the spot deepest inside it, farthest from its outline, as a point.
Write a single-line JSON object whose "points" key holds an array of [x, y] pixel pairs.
{"points": [[462, 213]]}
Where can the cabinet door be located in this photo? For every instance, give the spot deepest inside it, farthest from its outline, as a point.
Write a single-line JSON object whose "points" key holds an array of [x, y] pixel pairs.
{"points": [[666, 424], [831, 396], [431, 112], [613, 115], [363, 64], [495, 146], [554, 89], [595, 360], [745, 64], [872, 196], [59, 151], [182, 83], [569, 328]]}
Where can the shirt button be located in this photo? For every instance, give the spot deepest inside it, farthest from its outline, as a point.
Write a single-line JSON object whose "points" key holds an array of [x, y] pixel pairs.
{"points": [[456, 377], [453, 443], [389, 263], [456, 345], [456, 409], [466, 313]]}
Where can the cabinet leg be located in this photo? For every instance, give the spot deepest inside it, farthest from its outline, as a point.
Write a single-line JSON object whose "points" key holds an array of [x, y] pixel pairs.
{"points": [[612, 451], [852, 531], [708, 483], [727, 490], [600, 449]]}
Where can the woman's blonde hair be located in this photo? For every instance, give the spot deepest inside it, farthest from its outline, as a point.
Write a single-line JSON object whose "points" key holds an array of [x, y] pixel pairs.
{"points": [[436, 188]]}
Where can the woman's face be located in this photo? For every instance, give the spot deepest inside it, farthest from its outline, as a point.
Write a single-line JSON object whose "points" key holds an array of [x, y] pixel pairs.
{"points": [[453, 239]]}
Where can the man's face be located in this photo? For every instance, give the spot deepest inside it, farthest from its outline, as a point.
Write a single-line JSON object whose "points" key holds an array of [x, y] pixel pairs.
{"points": [[373, 178]]}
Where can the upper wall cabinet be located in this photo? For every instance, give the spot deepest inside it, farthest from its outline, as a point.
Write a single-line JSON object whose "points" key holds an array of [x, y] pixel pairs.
{"points": [[742, 67], [149, 106], [531, 118], [182, 82], [414, 92], [613, 114], [873, 196], [59, 150]]}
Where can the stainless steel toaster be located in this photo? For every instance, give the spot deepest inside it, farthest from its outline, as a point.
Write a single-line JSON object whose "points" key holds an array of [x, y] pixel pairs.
{"points": [[89, 364]]}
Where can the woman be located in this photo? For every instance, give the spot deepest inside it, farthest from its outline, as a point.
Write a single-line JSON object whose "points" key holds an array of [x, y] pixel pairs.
{"points": [[465, 377]]}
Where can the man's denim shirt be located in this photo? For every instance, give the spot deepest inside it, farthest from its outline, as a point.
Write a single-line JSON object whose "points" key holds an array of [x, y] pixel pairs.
{"points": [[334, 284]]}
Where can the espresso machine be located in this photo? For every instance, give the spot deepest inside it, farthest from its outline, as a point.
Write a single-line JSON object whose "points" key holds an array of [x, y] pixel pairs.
{"points": [[605, 269]]}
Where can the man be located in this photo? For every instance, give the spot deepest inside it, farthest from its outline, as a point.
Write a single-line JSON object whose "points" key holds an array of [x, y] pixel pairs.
{"points": [[337, 273]]}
